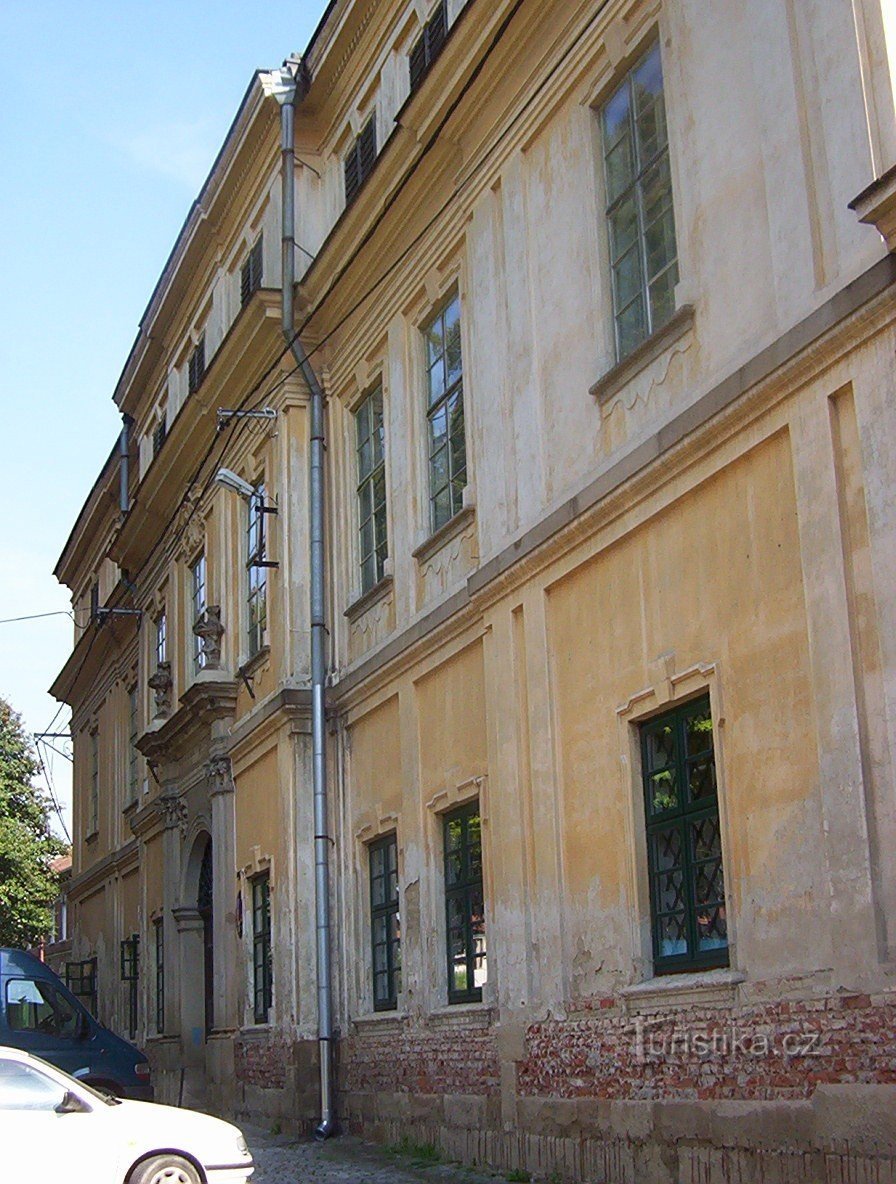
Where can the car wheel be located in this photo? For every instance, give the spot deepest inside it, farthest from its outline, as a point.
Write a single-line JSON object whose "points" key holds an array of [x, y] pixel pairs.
{"points": [[164, 1169]]}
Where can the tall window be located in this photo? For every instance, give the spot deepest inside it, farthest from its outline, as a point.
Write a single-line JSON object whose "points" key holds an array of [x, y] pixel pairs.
{"points": [[687, 888], [159, 432], [161, 638], [262, 971], [643, 253], [445, 414], [251, 271], [464, 904], [130, 966], [196, 366], [374, 547], [93, 820], [257, 568], [80, 978], [133, 735], [359, 160], [428, 45], [385, 923], [159, 927], [198, 598]]}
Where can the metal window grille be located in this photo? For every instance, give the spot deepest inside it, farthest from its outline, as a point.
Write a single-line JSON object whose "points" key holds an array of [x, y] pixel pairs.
{"points": [[360, 159], [370, 432], [159, 927], [199, 598], [643, 254], [130, 968], [196, 366], [445, 414], [256, 565], [251, 273], [428, 45], [687, 889], [80, 978], [385, 923], [133, 735], [262, 969], [464, 904]]}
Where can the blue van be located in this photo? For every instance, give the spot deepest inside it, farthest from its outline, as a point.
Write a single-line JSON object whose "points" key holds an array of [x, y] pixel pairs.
{"points": [[39, 1014]]}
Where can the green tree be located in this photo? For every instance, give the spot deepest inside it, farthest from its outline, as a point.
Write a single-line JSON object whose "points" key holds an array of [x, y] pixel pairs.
{"points": [[28, 887]]}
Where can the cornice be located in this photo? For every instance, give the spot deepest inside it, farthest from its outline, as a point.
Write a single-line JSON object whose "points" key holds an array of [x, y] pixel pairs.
{"points": [[114, 864], [201, 705]]}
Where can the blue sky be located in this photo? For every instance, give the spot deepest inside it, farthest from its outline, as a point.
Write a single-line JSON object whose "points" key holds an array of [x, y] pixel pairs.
{"points": [[112, 116]]}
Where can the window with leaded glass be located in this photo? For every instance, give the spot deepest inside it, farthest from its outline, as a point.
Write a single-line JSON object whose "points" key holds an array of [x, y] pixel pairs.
{"points": [[464, 904], [262, 970], [257, 568], [684, 846], [198, 602], [133, 736], [373, 543], [159, 928], [359, 160], [643, 254], [93, 818], [251, 271], [385, 923], [445, 414], [130, 966], [80, 978], [161, 638], [428, 45]]}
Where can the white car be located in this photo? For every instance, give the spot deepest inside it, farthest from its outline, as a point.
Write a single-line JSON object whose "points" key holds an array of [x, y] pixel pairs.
{"points": [[56, 1130]]}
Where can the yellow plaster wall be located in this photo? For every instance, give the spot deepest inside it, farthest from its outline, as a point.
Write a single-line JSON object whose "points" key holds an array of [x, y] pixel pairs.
{"points": [[129, 896], [376, 759], [151, 868], [715, 577], [258, 809], [452, 732]]}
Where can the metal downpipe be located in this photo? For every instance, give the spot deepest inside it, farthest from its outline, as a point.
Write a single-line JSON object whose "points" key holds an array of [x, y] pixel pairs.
{"points": [[326, 1126]]}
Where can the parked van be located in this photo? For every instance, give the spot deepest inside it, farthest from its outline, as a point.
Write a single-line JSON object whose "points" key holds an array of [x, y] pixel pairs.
{"points": [[38, 1013]]}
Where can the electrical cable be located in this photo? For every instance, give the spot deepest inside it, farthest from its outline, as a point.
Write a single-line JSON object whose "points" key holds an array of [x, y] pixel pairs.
{"points": [[37, 616]]}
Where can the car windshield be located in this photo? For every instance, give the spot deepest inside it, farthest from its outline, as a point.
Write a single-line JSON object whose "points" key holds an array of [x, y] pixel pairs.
{"points": [[37, 1064]]}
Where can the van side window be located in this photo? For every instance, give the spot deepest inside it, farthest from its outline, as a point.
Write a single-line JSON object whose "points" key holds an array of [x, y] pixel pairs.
{"points": [[35, 1005]]}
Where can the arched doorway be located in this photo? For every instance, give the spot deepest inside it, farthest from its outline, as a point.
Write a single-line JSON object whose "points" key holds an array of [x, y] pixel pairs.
{"points": [[205, 905]]}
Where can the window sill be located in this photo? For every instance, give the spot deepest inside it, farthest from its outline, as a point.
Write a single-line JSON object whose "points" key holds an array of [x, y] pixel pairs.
{"points": [[444, 534], [92, 837], [381, 1021], [254, 663], [368, 599], [679, 990], [254, 1031], [609, 384], [462, 1015]]}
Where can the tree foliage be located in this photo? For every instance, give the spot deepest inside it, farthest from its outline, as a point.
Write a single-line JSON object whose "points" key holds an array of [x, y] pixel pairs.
{"points": [[28, 886]]}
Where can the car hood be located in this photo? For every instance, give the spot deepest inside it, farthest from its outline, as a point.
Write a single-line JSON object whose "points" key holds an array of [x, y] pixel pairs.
{"points": [[210, 1140]]}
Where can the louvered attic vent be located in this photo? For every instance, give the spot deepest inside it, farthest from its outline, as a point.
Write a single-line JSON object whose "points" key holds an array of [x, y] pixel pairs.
{"points": [[428, 45], [196, 368], [250, 276], [360, 160]]}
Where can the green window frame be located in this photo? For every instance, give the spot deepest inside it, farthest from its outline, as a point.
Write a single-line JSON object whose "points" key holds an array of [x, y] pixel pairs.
{"points": [[385, 922], [262, 968], [198, 598], [130, 972], [371, 489], [161, 638], [93, 821], [133, 752], [159, 927], [445, 414], [257, 565], [684, 842], [80, 978], [640, 217], [464, 904]]}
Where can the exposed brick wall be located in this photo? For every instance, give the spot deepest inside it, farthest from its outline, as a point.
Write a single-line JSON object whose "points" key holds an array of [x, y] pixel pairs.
{"points": [[776, 1050], [421, 1061], [262, 1062]]}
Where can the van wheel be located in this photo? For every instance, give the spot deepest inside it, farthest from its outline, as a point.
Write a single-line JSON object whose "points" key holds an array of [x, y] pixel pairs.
{"points": [[164, 1169]]}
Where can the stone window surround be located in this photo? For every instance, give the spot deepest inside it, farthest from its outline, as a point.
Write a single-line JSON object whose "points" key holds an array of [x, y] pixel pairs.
{"points": [[261, 863], [374, 824], [670, 688]]}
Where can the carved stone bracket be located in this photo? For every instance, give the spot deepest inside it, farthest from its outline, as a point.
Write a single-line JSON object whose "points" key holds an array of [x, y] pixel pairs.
{"points": [[220, 775], [210, 631], [174, 812], [161, 683]]}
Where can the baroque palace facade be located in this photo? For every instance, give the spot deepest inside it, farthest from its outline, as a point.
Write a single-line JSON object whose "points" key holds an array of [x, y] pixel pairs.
{"points": [[601, 300]]}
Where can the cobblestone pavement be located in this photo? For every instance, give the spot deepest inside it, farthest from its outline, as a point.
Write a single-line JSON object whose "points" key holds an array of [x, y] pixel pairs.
{"points": [[281, 1159]]}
